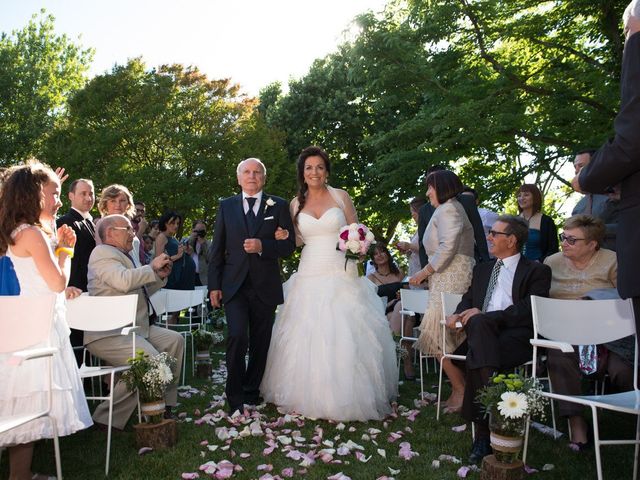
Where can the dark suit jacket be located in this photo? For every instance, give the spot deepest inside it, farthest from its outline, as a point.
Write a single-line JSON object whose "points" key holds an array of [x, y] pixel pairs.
{"points": [[531, 278], [85, 243], [618, 162], [229, 264], [468, 202], [548, 237]]}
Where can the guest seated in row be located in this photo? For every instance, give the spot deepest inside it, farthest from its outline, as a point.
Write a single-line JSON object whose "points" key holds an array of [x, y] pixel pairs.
{"points": [[113, 271], [580, 268], [495, 313], [386, 273]]}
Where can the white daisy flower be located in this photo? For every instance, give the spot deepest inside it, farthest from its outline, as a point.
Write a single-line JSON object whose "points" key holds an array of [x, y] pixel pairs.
{"points": [[513, 405]]}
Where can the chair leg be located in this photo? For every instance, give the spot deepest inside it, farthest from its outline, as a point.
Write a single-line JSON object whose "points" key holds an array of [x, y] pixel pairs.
{"points": [[56, 447], [596, 441], [184, 359], [111, 386], [637, 449], [439, 393], [421, 379], [526, 441]]}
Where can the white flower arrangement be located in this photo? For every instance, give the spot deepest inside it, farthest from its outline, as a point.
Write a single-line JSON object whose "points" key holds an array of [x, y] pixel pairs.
{"points": [[149, 375]]}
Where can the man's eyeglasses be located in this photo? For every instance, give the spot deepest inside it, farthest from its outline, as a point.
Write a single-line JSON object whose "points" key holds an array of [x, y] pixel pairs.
{"points": [[128, 229], [569, 240], [493, 233]]}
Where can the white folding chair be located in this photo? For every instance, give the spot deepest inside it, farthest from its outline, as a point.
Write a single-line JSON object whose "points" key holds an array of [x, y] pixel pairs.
{"points": [[101, 314], [560, 324], [26, 322], [413, 302], [176, 301], [450, 302]]}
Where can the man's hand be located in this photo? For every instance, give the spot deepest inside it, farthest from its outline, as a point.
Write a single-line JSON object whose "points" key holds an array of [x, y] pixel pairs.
{"points": [[216, 298], [452, 320], [253, 245], [281, 233], [162, 265], [467, 314], [72, 292]]}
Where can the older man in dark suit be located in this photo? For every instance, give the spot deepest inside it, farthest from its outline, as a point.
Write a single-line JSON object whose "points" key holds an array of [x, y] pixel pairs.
{"points": [[617, 163], [244, 274], [495, 313]]}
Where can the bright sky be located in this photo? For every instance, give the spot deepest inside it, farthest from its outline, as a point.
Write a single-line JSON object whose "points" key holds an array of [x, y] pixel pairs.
{"points": [[254, 42]]}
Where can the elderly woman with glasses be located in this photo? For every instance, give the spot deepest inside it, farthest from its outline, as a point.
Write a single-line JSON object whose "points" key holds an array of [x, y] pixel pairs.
{"points": [[580, 267]]}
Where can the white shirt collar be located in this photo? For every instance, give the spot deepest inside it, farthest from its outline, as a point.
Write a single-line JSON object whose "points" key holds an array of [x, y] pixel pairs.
{"points": [[257, 196], [86, 216], [511, 262]]}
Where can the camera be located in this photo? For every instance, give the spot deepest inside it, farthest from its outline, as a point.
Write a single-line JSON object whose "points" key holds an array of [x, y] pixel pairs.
{"points": [[201, 233]]}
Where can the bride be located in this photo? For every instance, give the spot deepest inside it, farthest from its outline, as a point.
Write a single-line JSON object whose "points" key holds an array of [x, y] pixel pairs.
{"points": [[332, 355]]}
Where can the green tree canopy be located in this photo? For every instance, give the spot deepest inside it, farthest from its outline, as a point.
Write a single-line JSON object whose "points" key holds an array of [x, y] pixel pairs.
{"points": [[38, 70]]}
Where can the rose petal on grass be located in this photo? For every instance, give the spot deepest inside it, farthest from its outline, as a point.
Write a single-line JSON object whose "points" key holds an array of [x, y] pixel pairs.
{"points": [[340, 426], [145, 450], [530, 470], [287, 472], [264, 467], [463, 472], [548, 466], [362, 458], [190, 475], [245, 455], [405, 451], [393, 471], [382, 453], [459, 428], [339, 476], [435, 464]]}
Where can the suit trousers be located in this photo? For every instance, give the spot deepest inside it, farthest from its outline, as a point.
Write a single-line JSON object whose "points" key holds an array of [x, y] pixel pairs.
{"points": [[115, 350], [249, 324], [489, 348], [566, 376]]}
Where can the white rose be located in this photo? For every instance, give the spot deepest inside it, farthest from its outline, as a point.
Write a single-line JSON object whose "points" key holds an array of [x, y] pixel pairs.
{"points": [[354, 235], [353, 246], [353, 227], [370, 237], [270, 202]]}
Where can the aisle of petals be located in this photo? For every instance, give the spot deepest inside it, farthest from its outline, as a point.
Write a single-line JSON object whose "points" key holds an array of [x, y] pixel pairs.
{"points": [[282, 436]]}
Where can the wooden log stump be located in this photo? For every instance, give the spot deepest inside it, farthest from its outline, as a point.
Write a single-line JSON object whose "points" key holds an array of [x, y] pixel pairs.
{"points": [[158, 436], [495, 470], [203, 370]]}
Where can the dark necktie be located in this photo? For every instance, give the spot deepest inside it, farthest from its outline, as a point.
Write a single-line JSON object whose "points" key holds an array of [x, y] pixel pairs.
{"points": [[90, 226], [493, 281], [251, 216]]}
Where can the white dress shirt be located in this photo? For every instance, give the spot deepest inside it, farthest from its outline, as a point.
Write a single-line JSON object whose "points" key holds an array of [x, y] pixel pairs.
{"points": [[256, 206], [502, 296]]}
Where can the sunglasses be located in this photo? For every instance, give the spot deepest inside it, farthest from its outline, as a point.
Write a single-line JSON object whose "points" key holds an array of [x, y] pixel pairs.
{"points": [[569, 240], [493, 233]]}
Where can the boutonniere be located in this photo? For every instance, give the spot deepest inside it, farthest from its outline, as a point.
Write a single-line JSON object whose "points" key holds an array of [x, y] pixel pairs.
{"points": [[269, 203]]}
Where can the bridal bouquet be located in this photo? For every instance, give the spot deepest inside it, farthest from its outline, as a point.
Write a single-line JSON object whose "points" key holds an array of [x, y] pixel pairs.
{"points": [[355, 240]]}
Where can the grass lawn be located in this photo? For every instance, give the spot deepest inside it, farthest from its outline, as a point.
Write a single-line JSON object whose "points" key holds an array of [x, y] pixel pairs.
{"points": [[199, 442]]}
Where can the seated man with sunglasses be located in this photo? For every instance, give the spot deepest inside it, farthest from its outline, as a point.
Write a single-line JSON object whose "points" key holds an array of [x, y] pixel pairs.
{"points": [[495, 313], [583, 269]]}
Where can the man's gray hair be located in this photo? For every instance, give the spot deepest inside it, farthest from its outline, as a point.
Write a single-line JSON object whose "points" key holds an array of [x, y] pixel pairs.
{"points": [[107, 222], [632, 9], [239, 167]]}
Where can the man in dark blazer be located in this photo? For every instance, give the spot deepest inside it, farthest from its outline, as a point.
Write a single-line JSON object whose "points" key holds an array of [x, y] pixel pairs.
{"points": [[79, 218], [244, 275], [617, 165], [495, 313], [468, 202]]}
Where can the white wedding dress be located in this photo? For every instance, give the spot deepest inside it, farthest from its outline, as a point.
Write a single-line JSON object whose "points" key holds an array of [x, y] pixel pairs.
{"points": [[22, 389], [332, 355]]}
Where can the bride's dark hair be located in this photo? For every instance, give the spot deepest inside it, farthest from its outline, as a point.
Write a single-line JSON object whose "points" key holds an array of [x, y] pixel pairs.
{"points": [[311, 151]]}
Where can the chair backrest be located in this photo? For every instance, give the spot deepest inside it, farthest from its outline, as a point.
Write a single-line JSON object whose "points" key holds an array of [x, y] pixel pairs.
{"points": [[414, 300], [101, 314], [582, 322], [177, 300], [450, 302], [199, 295], [25, 321], [159, 301]]}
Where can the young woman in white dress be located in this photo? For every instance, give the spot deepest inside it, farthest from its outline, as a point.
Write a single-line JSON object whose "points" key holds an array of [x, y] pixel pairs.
{"points": [[30, 198], [332, 354]]}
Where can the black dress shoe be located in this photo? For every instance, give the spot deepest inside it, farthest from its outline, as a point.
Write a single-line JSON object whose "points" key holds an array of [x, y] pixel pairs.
{"points": [[480, 449], [234, 408], [254, 400]]}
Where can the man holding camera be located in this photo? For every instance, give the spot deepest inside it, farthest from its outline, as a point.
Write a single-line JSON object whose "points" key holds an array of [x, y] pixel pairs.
{"points": [[199, 251]]}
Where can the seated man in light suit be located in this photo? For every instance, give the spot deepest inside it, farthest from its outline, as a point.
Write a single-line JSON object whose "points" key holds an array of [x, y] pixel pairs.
{"points": [[495, 313], [112, 272]]}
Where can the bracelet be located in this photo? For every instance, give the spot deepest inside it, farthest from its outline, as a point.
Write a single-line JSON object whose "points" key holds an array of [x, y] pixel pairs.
{"points": [[67, 250]]}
